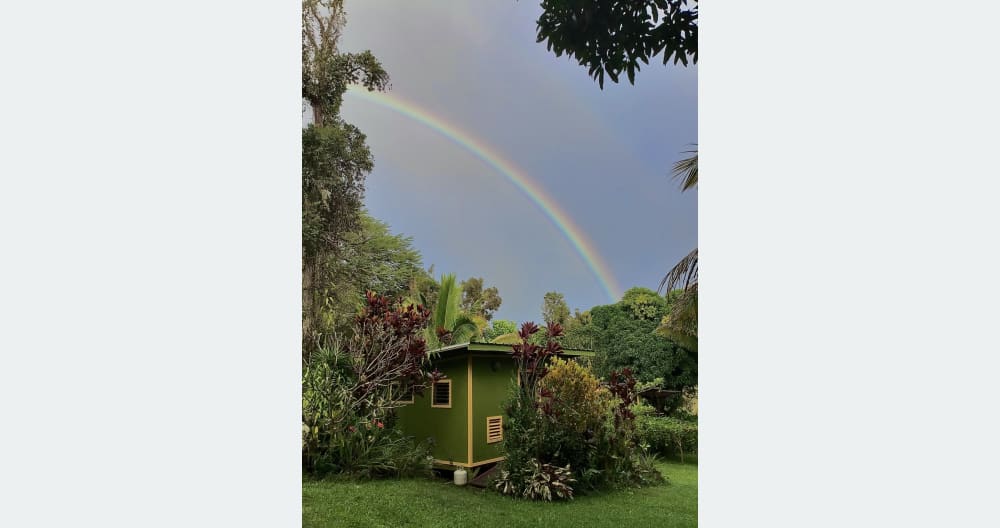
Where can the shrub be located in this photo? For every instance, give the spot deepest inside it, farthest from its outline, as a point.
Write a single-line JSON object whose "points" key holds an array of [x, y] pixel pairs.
{"points": [[573, 397], [547, 481], [667, 435], [373, 451], [543, 482], [576, 428], [560, 415], [349, 391]]}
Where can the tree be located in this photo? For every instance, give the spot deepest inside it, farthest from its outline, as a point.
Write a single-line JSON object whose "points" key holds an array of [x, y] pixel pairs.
{"points": [[335, 158], [681, 324], [477, 301], [625, 337], [448, 324], [335, 161], [424, 288], [554, 309], [613, 36], [499, 327], [326, 72], [371, 258], [579, 331]]}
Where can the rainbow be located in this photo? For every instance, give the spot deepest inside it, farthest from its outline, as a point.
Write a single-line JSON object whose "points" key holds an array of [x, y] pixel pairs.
{"points": [[549, 207]]}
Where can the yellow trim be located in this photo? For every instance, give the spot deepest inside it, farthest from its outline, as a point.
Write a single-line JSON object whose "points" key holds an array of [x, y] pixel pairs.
{"points": [[468, 390], [433, 391], [490, 461], [499, 436], [463, 464], [392, 391]]}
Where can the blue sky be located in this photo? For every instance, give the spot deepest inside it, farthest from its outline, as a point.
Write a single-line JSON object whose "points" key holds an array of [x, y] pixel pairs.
{"points": [[603, 155]]}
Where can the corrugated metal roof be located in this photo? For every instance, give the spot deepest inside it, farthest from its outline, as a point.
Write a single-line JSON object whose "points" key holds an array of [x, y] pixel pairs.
{"points": [[496, 348]]}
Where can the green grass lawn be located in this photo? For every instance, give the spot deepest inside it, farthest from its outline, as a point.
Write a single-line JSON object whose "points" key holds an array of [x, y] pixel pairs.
{"points": [[421, 502]]}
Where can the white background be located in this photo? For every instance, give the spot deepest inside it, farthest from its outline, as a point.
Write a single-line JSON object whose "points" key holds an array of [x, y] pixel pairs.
{"points": [[149, 236]]}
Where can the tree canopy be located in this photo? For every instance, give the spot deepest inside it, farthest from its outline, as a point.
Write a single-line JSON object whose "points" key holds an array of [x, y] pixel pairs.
{"points": [[625, 335], [371, 258], [335, 162], [499, 327], [479, 301], [554, 309], [614, 36]]}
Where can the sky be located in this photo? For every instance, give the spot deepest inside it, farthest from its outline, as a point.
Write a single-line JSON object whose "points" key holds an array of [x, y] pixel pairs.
{"points": [[603, 157]]}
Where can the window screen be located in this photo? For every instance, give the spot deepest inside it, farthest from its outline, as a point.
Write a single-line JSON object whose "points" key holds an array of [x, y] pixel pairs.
{"points": [[441, 394]]}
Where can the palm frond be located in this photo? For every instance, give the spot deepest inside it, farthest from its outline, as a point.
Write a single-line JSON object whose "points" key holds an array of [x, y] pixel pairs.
{"points": [[464, 329], [681, 324], [684, 274], [446, 309], [511, 338], [686, 170]]}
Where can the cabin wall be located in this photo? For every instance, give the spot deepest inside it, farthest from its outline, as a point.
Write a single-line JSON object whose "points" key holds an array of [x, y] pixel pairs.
{"points": [[489, 392], [447, 427]]}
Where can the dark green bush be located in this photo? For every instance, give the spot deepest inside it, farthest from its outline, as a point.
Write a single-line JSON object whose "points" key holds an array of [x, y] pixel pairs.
{"points": [[372, 451], [348, 395], [666, 435]]}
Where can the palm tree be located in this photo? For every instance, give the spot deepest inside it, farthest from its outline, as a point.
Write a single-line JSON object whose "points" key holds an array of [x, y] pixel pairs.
{"points": [[687, 171], [448, 324], [681, 324]]}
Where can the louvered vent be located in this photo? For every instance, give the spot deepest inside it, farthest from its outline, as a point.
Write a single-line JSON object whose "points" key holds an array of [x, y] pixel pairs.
{"points": [[494, 429], [442, 394]]}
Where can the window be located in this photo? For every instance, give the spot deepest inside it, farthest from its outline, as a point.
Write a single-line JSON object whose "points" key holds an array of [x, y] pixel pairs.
{"points": [[441, 394], [401, 396], [494, 429]]}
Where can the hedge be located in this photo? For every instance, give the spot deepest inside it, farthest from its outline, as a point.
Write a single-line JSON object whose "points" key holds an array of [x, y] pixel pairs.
{"points": [[668, 436]]}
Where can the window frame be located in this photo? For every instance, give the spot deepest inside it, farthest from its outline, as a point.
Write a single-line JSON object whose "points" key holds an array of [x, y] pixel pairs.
{"points": [[394, 392], [434, 394]]}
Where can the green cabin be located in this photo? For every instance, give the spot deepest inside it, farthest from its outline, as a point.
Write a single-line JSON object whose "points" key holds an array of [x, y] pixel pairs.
{"points": [[463, 413]]}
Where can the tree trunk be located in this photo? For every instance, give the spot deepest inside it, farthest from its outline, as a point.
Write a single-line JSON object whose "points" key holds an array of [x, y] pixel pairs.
{"points": [[317, 115], [308, 308]]}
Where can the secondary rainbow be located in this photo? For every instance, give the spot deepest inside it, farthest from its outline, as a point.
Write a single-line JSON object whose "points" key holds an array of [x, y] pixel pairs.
{"points": [[549, 207]]}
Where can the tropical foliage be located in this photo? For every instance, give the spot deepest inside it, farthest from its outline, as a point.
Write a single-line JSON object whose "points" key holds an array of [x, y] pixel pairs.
{"points": [[570, 427], [579, 332], [564, 426], [686, 170], [554, 309], [613, 36], [681, 323], [353, 384], [449, 325], [335, 159], [477, 301], [498, 328], [371, 258], [666, 435], [624, 336]]}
